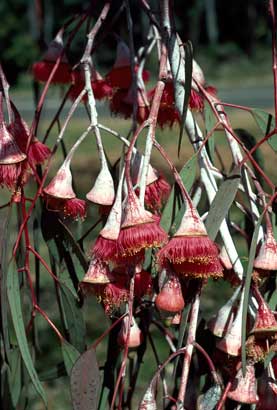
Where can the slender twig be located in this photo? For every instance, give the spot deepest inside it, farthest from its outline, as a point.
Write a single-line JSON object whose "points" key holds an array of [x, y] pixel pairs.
{"points": [[125, 352], [188, 353]]}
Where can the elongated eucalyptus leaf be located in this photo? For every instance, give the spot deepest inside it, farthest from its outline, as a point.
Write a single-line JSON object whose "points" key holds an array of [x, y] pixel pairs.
{"points": [[178, 219], [188, 80], [222, 202], [210, 122], [53, 372], [265, 121], [75, 248], [61, 243], [268, 359], [172, 206], [103, 399], [3, 282], [70, 355], [209, 400], [182, 329], [19, 327], [85, 382], [247, 284], [14, 375], [73, 319]]}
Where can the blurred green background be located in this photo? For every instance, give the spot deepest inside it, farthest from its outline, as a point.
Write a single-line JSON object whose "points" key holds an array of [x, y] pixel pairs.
{"points": [[231, 42]]}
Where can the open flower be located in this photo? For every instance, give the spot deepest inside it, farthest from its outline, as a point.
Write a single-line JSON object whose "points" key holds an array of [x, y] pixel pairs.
{"points": [[37, 152], [42, 69], [190, 251], [157, 188], [168, 114], [139, 229], [196, 100], [120, 75], [263, 336], [61, 197], [266, 260], [101, 89], [11, 157], [98, 274], [122, 103], [112, 295]]}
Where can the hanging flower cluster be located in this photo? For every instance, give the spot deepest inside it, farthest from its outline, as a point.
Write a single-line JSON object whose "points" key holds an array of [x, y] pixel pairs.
{"points": [[20, 152], [123, 88]]}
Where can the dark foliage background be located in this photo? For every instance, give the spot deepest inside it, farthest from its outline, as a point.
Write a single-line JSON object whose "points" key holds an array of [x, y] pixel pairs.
{"points": [[225, 31]]}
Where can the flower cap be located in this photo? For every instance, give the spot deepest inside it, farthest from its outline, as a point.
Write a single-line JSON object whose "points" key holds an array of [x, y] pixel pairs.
{"points": [[267, 256], [98, 273], [102, 192], [191, 224], [122, 55], [244, 389], [134, 213], [61, 184], [55, 48]]}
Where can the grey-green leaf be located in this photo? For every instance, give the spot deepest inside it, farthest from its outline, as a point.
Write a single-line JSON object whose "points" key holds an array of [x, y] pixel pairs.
{"points": [[14, 375], [70, 355], [17, 318], [247, 284], [73, 319], [188, 80], [187, 175], [85, 382], [210, 122], [209, 400], [222, 202], [265, 121]]}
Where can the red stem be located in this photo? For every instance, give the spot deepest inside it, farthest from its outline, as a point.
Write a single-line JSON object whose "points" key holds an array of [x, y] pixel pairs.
{"points": [[224, 396], [49, 321], [107, 331], [126, 349], [43, 262], [40, 188], [175, 174]]}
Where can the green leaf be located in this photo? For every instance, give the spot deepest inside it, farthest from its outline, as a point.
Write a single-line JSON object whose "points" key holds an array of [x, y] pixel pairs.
{"points": [[266, 123], [3, 282], [178, 219], [247, 284], [172, 206], [268, 358], [75, 248], [209, 400], [188, 80], [182, 329], [85, 382], [53, 372], [73, 319], [17, 318], [104, 398], [70, 355], [222, 202], [14, 375], [210, 122]]}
